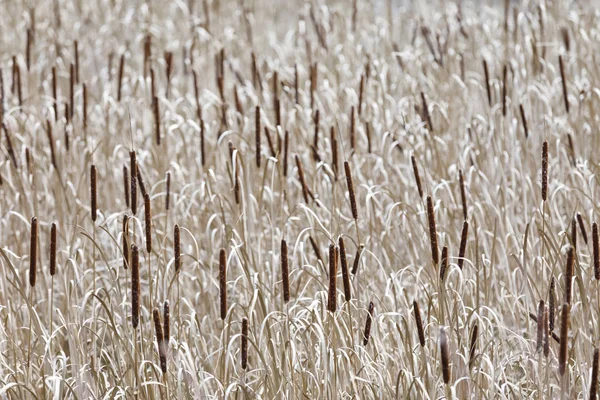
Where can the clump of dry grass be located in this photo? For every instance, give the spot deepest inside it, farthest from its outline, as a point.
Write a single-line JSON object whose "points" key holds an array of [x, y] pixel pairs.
{"points": [[239, 117]]}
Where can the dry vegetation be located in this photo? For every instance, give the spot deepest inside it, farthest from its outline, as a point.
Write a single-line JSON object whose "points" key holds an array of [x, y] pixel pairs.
{"points": [[294, 199]]}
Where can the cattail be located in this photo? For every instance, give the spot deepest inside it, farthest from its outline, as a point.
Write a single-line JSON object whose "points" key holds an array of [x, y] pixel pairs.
{"points": [[85, 107], [351, 190], [315, 145], [296, 85], [524, 121], [120, 78], [28, 49], [270, 142], [148, 220], [357, 259], [244, 343], [504, 72], [285, 152], [72, 91], [202, 134], [160, 340], [367, 333], [345, 275], [361, 91], [19, 86], [473, 344], [368, 134], [51, 142], [564, 339], [135, 286], [125, 235], [76, 51], [140, 180], [313, 84], [417, 177], [169, 69], [177, 248], [594, 378], [133, 165], [334, 153], [33, 251], [168, 190], [53, 249], [9, 147], [486, 75], [582, 228], [352, 128], [463, 244], [420, 331], [257, 134], [569, 275], [564, 82], [166, 323], [55, 93], [551, 304], [596, 250], [223, 282], [463, 194], [331, 299], [444, 263], [546, 334], [445, 356], [432, 231], [574, 233], [540, 326], [126, 184], [426, 112], [93, 191], [315, 248], [156, 111], [285, 271], [545, 171], [305, 190]]}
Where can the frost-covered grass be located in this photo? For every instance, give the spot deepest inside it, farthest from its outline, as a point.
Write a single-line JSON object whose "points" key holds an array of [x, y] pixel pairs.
{"points": [[390, 82]]}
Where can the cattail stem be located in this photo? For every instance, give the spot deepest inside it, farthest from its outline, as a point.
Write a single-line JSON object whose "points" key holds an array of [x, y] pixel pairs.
{"points": [[367, 333], [551, 304]]}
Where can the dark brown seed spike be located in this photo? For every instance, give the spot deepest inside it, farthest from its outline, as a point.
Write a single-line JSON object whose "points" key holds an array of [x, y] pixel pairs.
{"points": [[357, 259], [120, 79], [33, 251], [367, 333], [331, 299], [569, 275], [135, 288], [133, 186], [351, 193], [177, 248], [524, 121], [486, 75], [93, 192], [417, 176], [53, 249], [564, 83], [285, 271], [564, 339], [596, 250], [582, 229], [463, 194], [432, 231], [344, 265], [445, 356], [419, 323], [244, 343], [551, 304], [545, 171], [463, 244], [473, 344], [168, 190], [444, 263], [257, 134], [540, 326], [223, 282], [594, 378], [148, 221], [125, 239]]}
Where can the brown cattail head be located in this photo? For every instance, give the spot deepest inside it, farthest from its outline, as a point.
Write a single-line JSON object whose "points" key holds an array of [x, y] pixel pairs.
{"points": [[524, 120], [223, 282], [444, 263], [357, 259], [133, 168], [148, 220], [50, 141], [463, 193], [582, 229], [285, 271], [33, 251], [594, 378], [93, 192], [546, 334], [564, 339], [551, 304], [156, 111], [331, 299], [564, 82], [315, 248], [53, 249], [125, 235], [574, 233], [76, 52], [569, 275], [244, 343], [419, 323], [166, 323], [71, 92], [345, 275], [504, 73], [445, 356], [160, 340], [417, 176], [286, 144], [463, 244], [120, 78], [140, 181], [540, 326], [135, 286], [315, 145], [257, 134], [486, 75], [361, 90], [432, 231], [177, 248], [168, 190], [596, 250], [473, 344], [545, 171], [306, 192], [426, 112], [352, 128], [55, 93], [367, 333], [126, 184], [351, 190]]}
